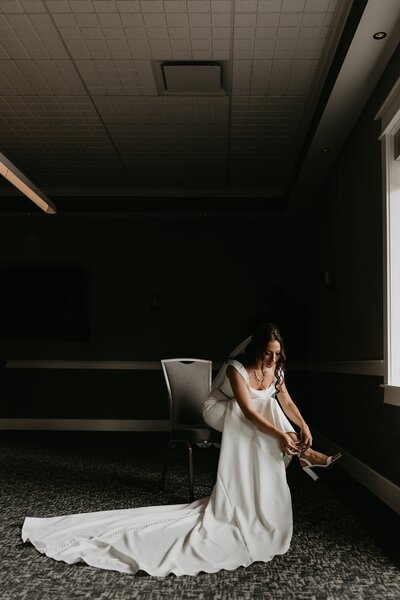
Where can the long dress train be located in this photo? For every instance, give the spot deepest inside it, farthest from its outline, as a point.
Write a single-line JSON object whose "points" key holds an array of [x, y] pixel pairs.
{"points": [[247, 518]]}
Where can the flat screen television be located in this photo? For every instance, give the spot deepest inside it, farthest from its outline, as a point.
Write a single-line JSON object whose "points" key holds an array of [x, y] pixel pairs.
{"points": [[45, 302]]}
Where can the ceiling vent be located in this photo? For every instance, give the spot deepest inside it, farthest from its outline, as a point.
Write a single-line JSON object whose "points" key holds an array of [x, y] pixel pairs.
{"points": [[190, 77]]}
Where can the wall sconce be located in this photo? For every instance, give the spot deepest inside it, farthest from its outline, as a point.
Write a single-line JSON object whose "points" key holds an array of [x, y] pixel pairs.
{"points": [[24, 185], [155, 302], [329, 278]]}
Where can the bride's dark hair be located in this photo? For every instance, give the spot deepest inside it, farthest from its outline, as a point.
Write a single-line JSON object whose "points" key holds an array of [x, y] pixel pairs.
{"points": [[267, 332]]}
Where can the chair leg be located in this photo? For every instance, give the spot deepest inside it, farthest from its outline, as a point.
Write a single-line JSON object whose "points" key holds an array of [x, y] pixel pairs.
{"points": [[190, 459], [172, 443]]}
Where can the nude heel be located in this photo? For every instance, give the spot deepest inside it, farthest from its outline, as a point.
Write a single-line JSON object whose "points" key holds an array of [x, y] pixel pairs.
{"points": [[311, 473], [309, 466]]}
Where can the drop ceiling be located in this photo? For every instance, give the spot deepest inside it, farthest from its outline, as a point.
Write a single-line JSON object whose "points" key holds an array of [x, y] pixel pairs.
{"points": [[81, 112]]}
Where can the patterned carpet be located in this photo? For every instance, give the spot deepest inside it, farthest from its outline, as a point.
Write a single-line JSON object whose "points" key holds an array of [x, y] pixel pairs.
{"points": [[334, 552]]}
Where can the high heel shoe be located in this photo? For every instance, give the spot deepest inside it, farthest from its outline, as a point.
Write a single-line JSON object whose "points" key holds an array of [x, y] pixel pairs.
{"points": [[309, 466]]}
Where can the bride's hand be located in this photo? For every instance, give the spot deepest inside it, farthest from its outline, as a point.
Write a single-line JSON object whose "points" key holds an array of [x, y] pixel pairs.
{"points": [[288, 445], [305, 437]]}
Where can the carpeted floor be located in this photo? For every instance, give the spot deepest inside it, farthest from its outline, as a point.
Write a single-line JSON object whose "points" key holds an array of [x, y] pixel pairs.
{"points": [[343, 546]]}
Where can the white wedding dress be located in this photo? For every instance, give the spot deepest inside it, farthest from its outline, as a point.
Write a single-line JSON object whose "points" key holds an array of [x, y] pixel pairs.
{"points": [[247, 518]]}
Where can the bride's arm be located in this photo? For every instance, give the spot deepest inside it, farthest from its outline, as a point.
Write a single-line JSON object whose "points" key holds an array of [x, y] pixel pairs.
{"points": [[293, 413], [243, 398]]}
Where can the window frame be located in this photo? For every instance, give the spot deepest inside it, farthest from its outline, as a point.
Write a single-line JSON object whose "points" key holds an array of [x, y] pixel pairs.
{"points": [[389, 115]]}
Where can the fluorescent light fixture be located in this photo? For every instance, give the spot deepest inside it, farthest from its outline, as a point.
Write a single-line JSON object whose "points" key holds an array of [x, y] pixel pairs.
{"points": [[24, 185]]}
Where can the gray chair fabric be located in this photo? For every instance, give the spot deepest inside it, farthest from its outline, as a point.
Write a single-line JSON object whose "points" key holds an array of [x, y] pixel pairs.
{"points": [[188, 383]]}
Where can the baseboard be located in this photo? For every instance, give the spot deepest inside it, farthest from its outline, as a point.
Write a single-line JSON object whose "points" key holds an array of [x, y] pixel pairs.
{"points": [[84, 425], [379, 485]]}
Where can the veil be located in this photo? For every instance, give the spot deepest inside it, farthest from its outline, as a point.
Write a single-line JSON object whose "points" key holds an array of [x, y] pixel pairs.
{"points": [[218, 379]]}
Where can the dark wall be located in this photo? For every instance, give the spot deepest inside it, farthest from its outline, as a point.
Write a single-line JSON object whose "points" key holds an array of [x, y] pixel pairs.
{"points": [[83, 394], [346, 320], [214, 278]]}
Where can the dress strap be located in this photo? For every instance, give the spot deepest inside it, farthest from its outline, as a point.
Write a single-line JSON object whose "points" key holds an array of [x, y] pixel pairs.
{"points": [[240, 368]]}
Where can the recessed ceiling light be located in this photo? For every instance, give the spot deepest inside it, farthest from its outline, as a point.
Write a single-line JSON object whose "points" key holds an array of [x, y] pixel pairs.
{"points": [[379, 35]]}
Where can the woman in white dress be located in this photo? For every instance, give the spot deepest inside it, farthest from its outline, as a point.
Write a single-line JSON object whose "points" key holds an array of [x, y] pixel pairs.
{"points": [[248, 516], [254, 377]]}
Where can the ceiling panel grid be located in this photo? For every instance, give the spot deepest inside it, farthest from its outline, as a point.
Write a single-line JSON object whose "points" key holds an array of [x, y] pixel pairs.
{"points": [[77, 82], [277, 50]]}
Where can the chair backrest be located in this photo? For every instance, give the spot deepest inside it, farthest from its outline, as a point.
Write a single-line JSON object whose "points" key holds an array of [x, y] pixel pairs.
{"points": [[188, 383]]}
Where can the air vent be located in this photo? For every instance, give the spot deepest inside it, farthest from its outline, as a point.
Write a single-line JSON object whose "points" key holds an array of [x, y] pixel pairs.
{"points": [[191, 78]]}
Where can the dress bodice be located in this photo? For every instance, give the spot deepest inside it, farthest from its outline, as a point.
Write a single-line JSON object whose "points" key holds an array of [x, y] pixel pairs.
{"points": [[226, 388]]}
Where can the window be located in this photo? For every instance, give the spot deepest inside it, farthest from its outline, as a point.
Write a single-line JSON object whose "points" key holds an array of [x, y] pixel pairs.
{"points": [[389, 115]]}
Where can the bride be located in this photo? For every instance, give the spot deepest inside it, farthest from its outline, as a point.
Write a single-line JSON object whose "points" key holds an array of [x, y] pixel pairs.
{"points": [[248, 516]]}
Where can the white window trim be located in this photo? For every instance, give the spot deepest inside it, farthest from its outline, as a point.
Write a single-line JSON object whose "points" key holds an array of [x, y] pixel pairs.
{"points": [[389, 115]]}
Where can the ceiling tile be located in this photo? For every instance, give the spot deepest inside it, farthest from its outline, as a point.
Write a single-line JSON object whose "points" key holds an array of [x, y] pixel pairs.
{"points": [[286, 44], [177, 20], [65, 20], [100, 6], [221, 33], [220, 6], [151, 6], [243, 32], [58, 6], [310, 32], [155, 20], [244, 44], [266, 32], [245, 20], [132, 20], [178, 33], [200, 33], [157, 33], [175, 6], [109, 20], [200, 20], [128, 6], [269, 6], [135, 33], [200, 44], [220, 20], [313, 19], [246, 6], [92, 33], [288, 32], [183, 44], [290, 19], [197, 6], [267, 20], [87, 20], [293, 5], [221, 44], [113, 33], [317, 5]]}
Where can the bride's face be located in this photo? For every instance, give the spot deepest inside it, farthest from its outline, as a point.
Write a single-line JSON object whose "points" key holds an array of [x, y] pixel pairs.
{"points": [[271, 354]]}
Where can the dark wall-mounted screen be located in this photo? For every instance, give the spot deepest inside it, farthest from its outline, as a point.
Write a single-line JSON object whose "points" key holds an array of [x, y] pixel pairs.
{"points": [[45, 302]]}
